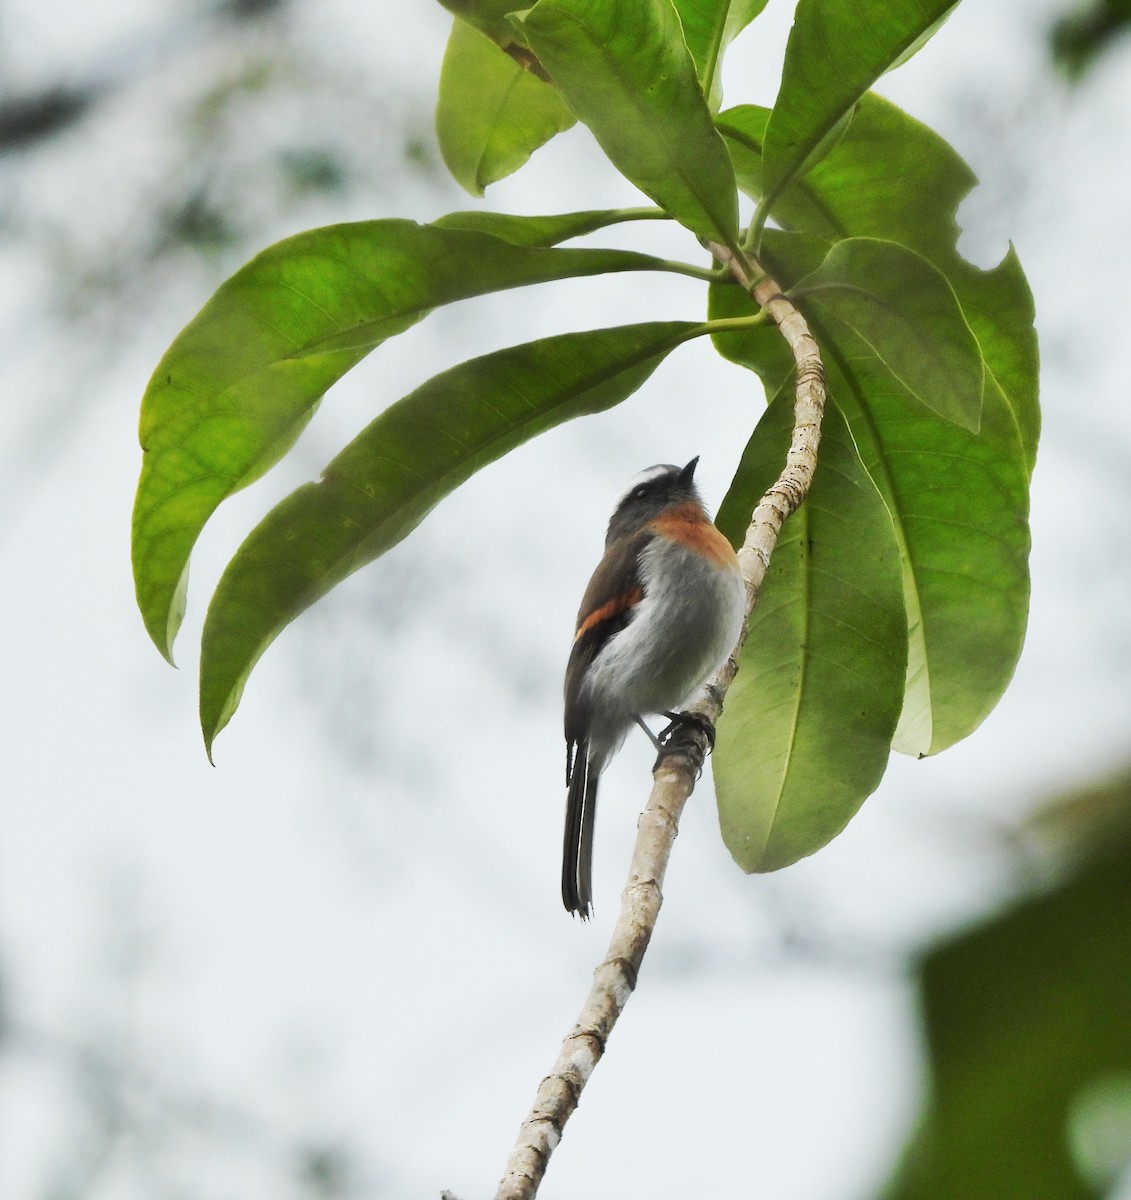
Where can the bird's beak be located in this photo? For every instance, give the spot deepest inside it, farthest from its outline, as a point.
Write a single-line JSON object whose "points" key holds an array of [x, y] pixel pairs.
{"points": [[688, 472]]}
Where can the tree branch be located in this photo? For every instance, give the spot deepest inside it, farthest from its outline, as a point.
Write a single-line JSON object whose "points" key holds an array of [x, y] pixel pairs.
{"points": [[791, 487], [677, 768]]}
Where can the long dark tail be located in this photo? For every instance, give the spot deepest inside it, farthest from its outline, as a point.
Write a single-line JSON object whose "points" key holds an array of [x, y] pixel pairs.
{"points": [[577, 849]]}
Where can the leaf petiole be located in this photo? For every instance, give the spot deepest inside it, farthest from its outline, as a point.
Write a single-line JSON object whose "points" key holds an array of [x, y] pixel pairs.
{"points": [[735, 324]]}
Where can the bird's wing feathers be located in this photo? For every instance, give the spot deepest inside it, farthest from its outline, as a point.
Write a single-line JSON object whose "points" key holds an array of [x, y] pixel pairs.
{"points": [[606, 608]]}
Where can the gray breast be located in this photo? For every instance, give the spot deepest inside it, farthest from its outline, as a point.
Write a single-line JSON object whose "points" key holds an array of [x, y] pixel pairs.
{"points": [[683, 629]]}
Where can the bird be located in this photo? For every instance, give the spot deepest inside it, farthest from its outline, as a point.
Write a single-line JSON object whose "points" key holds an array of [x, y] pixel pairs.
{"points": [[662, 612]]}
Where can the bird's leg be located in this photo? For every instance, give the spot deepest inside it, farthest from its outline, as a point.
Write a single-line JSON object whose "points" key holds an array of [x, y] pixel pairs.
{"points": [[658, 742]]}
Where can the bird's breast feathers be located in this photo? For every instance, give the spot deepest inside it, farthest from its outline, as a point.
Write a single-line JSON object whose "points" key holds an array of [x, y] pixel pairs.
{"points": [[682, 628]]}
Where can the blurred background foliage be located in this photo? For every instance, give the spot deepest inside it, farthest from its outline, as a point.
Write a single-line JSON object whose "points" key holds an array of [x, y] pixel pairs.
{"points": [[257, 126], [1028, 1025], [1080, 38]]}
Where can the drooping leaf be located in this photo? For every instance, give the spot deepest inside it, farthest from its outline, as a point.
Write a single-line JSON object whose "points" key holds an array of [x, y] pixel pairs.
{"points": [[836, 51], [905, 309], [709, 26], [891, 177], [394, 473], [491, 114], [239, 383], [544, 231], [807, 728], [624, 69], [960, 505]]}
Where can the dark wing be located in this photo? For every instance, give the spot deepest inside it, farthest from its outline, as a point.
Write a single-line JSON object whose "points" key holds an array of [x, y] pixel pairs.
{"points": [[606, 608]]}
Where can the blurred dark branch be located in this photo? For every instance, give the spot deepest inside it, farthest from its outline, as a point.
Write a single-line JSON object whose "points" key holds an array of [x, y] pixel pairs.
{"points": [[38, 116]]}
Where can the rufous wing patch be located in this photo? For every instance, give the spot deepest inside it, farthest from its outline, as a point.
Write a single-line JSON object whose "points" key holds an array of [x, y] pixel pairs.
{"points": [[611, 609]]}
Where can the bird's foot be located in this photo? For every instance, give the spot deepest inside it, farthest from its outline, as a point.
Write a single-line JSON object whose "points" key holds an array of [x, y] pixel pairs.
{"points": [[690, 736]]}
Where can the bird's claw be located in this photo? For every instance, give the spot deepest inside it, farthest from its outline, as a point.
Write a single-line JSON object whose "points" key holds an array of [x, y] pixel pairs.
{"points": [[681, 737]]}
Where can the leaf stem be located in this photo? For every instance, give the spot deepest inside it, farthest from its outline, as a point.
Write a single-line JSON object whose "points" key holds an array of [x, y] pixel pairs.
{"points": [[706, 274], [752, 240], [736, 324], [643, 212]]}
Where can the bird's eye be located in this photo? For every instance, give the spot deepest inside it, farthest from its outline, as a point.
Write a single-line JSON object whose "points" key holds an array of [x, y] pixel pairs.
{"points": [[638, 493]]}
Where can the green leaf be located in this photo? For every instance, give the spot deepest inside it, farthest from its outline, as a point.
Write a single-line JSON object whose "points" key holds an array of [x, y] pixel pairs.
{"points": [[1027, 1030], [967, 590], [959, 501], [709, 26], [490, 17], [548, 230], [807, 729], [888, 177], [960, 505], [241, 380], [491, 114], [905, 309], [395, 472], [999, 306], [836, 51], [891, 177], [624, 69]]}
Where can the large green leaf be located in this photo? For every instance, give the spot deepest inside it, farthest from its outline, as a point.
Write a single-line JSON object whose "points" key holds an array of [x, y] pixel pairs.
{"points": [[241, 380], [624, 69], [491, 114], [906, 311], [709, 26], [891, 177], [888, 177], [836, 51], [391, 476], [1030, 1043], [807, 729], [960, 504]]}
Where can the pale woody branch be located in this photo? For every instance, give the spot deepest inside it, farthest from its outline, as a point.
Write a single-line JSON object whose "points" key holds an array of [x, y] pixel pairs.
{"points": [[675, 774], [791, 487]]}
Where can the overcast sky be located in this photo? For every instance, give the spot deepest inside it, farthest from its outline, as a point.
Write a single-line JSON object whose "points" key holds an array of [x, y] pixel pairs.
{"points": [[338, 959]]}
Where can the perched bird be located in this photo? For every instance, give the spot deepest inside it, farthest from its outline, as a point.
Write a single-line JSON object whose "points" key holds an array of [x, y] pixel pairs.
{"points": [[663, 610]]}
